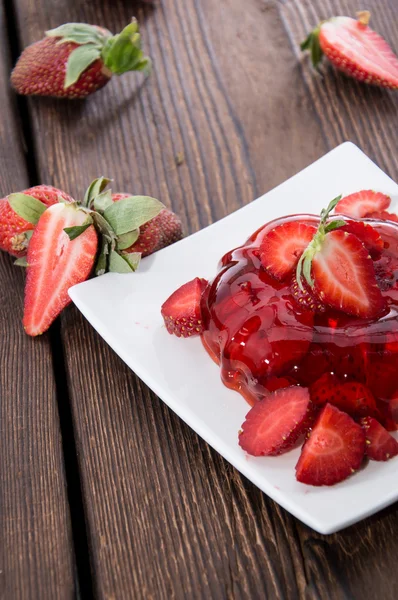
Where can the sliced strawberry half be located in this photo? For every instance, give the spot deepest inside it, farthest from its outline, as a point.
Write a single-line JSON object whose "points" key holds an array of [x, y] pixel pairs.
{"points": [[333, 451], [361, 204], [181, 311], [368, 235], [344, 276], [383, 215], [380, 445], [55, 263], [282, 247], [275, 423], [305, 297]]}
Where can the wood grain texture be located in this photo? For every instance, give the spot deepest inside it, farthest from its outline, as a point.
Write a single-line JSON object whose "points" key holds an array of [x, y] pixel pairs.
{"points": [[36, 556], [166, 516]]}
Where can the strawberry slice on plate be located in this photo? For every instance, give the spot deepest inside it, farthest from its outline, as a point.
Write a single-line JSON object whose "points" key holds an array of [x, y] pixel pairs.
{"points": [[275, 423], [362, 204], [333, 451], [344, 276], [181, 312], [354, 48], [380, 445], [55, 263], [282, 247]]}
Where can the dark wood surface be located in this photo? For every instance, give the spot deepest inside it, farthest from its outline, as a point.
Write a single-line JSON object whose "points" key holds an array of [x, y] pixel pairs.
{"points": [[155, 512]]}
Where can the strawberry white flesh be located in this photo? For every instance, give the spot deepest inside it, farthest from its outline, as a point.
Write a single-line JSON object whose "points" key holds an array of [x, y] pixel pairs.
{"points": [[359, 51], [344, 276], [55, 263], [361, 204]]}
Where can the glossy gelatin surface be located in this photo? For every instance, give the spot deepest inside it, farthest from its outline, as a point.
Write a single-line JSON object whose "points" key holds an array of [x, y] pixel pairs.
{"points": [[257, 331]]}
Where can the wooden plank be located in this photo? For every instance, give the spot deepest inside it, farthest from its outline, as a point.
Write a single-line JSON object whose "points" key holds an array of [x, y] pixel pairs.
{"points": [[36, 556], [167, 517]]}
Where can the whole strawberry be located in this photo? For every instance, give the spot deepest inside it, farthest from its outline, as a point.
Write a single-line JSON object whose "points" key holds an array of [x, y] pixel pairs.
{"points": [[355, 49], [76, 59], [14, 229], [159, 232]]}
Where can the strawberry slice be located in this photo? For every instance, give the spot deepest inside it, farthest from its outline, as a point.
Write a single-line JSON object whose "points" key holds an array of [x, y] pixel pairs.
{"points": [[354, 48], [282, 247], [181, 311], [382, 215], [344, 276], [275, 423], [333, 451], [368, 235], [305, 297], [361, 204], [55, 264], [380, 445]]}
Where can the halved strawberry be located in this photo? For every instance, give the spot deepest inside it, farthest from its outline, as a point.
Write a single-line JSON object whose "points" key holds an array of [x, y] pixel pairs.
{"points": [[275, 423], [380, 445], [282, 247], [344, 276], [361, 204], [382, 215], [368, 235], [305, 297], [355, 399], [324, 389], [55, 263], [333, 451], [181, 311]]}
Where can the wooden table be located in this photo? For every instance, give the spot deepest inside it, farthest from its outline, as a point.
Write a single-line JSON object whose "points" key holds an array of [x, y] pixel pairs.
{"points": [[103, 490]]}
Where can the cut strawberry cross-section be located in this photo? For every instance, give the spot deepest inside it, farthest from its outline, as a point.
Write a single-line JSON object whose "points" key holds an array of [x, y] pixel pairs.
{"points": [[361, 204], [368, 235], [275, 423], [282, 247], [333, 451], [380, 445], [181, 311]]}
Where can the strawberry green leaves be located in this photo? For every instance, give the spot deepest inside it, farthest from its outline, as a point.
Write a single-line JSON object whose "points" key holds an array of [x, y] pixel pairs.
{"points": [[130, 213], [123, 52], [27, 207], [79, 60]]}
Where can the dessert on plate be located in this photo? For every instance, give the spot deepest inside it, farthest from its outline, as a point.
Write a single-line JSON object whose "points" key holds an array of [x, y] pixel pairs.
{"points": [[303, 322]]}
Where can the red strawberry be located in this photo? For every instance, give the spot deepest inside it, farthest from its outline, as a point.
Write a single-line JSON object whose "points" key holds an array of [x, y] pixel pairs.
{"points": [[344, 276], [355, 399], [393, 406], [333, 451], [324, 389], [76, 59], [159, 232], [282, 247], [55, 264], [13, 228], [305, 298], [382, 215], [380, 445], [361, 204], [355, 49], [181, 311], [275, 423], [368, 235]]}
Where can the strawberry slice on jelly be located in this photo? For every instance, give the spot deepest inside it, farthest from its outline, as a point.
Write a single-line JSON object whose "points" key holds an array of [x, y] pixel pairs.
{"points": [[360, 204], [368, 235]]}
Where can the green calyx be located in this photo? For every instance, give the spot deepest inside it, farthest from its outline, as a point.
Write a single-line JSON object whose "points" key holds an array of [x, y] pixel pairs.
{"points": [[312, 44], [304, 265], [119, 53]]}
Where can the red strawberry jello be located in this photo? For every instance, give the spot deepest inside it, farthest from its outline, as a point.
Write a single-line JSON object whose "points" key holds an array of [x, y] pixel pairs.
{"points": [[311, 302]]}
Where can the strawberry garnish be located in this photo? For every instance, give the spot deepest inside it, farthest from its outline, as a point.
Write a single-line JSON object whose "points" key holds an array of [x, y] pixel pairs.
{"points": [[355, 49], [159, 232], [14, 229], [275, 423], [305, 297], [380, 445], [382, 215], [55, 264], [282, 247], [368, 235], [362, 204], [333, 451], [181, 311], [76, 59]]}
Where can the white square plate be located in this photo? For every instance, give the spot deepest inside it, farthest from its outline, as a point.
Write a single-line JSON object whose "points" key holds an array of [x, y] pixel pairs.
{"points": [[125, 310]]}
